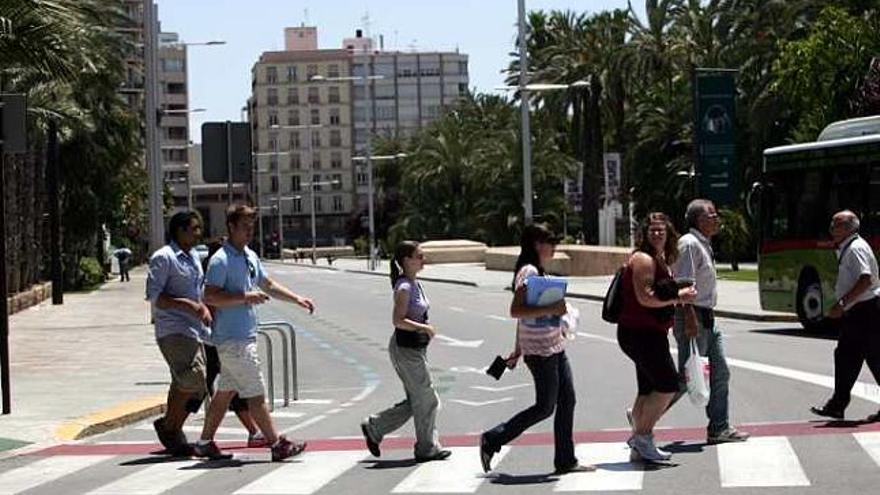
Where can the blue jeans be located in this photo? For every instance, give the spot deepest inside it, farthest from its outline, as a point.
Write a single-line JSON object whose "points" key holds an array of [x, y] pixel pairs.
{"points": [[710, 343], [554, 389]]}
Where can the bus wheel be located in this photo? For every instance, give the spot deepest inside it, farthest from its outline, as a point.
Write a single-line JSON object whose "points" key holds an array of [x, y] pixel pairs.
{"points": [[809, 302]]}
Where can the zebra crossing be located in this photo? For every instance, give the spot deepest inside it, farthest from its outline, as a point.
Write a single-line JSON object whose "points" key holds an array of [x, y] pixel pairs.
{"points": [[761, 463]]}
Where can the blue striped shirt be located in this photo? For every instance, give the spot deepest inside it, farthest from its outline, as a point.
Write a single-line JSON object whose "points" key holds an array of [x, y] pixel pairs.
{"points": [[176, 273]]}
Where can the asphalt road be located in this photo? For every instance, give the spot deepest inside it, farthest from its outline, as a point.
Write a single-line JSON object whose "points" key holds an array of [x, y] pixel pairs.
{"points": [[344, 374]]}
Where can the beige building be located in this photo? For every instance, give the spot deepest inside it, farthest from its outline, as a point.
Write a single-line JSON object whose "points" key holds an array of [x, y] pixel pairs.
{"points": [[174, 119], [301, 131], [288, 101]]}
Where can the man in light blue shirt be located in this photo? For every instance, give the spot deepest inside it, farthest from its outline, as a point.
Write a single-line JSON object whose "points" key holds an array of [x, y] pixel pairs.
{"points": [[696, 265], [235, 284], [175, 289]]}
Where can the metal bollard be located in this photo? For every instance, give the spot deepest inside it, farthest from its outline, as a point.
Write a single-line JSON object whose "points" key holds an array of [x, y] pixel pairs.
{"points": [[285, 353], [269, 363], [293, 354]]}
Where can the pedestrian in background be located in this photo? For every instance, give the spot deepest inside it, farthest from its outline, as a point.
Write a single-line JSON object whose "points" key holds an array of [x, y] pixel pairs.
{"points": [[408, 349], [175, 289], [123, 257], [857, 311], [235, 284], [696, 263], [649, 295], [543, 349]]}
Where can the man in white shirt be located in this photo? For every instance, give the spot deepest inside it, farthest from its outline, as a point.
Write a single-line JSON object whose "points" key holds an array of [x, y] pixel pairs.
{"points": [[858, 311], [696, 264]]}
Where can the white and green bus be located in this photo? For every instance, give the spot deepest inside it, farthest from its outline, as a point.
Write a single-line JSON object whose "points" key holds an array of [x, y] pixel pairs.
{"points": [[801, 187]]}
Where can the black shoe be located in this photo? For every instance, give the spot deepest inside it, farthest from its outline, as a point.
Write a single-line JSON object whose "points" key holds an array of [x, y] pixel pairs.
{"points": [[168, 439], [372, 446], [210, 451], [827, 412], [874, 418], [436, 456], [485, 454]]}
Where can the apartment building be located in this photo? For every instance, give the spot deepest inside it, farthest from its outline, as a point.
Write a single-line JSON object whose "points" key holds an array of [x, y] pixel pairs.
{"points": [[174, 119], [310, 112]]}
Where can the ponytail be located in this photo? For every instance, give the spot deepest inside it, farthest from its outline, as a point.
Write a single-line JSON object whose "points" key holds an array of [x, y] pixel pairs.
{"points": [[405, 249]]}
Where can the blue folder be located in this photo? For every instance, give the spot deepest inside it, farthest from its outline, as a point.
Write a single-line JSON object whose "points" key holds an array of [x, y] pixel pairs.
{"points": [[544, 291]]}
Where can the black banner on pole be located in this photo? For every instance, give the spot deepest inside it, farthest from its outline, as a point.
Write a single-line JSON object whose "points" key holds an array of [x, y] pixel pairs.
{"points": [[715, 124]]}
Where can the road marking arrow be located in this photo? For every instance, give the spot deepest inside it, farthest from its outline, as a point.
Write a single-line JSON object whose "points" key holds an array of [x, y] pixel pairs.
{"points": [[481, 404], [499, 389], [472, 344]]}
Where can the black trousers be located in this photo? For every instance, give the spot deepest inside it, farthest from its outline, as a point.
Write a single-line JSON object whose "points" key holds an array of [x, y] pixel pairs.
{"points": [[554, 389], [857, 343]]}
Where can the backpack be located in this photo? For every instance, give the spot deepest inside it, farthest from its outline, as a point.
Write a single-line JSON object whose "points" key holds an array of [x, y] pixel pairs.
{"points": [[613, 302]]}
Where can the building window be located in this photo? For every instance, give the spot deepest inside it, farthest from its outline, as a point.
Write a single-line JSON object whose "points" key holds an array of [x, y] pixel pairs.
{"points": [[337, 182], [462, 68], [172, 65], [336, 159], [271, 75], [292, 96], [295, 161], [295, 183], [175, 88], [314, 95], [316, 182], [273, 163], [271, 96], [316, 161], [334, 116], [362, 178], [311, 71], [273, 141], [333, 70], [293, 117], [291, 73], [294, 140], [297, 206], [333, 94], [315, 116], [338, 204], [385, 113], [462, 89], [176, 133], [335, 138], [273, 119], [273, 184], [316, 139], [319, 204]]}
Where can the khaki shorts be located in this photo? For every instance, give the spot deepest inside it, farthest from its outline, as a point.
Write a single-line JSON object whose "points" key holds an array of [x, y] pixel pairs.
{"points": [[240, 369], [186, 360]]}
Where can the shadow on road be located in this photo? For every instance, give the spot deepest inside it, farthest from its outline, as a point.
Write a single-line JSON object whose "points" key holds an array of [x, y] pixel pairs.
{"points": [[395, 464], [522, 479], [824, 334], [680, 447]]}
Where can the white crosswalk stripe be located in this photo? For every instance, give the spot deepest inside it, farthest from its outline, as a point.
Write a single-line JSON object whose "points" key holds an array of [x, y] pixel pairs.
{"points": [[614, 472], [871, 443], [458, 474], [760, 462], [304, 475], [45, 471], [153, 480]]}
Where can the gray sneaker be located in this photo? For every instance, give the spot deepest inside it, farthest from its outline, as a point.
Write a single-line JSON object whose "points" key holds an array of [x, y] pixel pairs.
{"points": [[730, 435]]}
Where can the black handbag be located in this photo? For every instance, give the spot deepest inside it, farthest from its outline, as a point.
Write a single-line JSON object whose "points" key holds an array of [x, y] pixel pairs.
{"points": [[613, 302]]}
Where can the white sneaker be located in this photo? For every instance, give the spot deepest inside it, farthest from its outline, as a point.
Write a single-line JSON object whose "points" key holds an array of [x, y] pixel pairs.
{"points": [[644, 447]]}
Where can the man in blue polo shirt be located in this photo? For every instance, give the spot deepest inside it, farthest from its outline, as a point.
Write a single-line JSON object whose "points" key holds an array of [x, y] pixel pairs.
{"points": [[235, 284], [174, 287]]}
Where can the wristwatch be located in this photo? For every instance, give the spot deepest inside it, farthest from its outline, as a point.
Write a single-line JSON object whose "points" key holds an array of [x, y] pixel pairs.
{"points": [[841, 303]]}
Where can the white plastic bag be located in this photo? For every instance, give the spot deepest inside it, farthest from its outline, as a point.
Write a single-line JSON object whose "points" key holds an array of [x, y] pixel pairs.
{"points": [[696, 376], [570, 321]]}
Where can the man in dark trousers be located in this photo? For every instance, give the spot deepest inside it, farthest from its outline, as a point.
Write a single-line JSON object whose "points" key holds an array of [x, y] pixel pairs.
{"points": [[857, 312]]}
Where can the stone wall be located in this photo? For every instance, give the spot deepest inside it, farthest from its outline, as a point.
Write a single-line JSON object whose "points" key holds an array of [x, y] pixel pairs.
{"points": [[30, 297]]}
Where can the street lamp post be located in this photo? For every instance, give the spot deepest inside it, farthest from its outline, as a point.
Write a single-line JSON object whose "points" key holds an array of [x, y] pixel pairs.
{"points": [[369, 161]]}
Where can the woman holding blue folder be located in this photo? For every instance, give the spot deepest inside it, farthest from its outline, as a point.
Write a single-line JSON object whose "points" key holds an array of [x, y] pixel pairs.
{"points": [[542, 345]]}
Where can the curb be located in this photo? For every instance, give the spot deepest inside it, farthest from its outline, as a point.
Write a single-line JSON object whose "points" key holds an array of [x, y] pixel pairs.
{"points": [[720, 313], [117, 416]]}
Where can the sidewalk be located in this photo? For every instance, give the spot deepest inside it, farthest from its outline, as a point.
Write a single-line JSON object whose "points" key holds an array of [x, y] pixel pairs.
{"points": [[84, 366], [737, 300]]}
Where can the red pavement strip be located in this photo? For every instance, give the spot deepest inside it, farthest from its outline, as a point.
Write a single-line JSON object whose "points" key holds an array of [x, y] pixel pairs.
{"points": [[595, 436]]}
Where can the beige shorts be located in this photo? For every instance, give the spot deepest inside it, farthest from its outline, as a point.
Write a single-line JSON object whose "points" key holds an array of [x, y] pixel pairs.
{"points": [[186, 360], [240, 369]]}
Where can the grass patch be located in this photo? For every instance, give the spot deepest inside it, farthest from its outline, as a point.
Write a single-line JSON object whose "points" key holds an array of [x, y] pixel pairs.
{"points": [[738, 276]]}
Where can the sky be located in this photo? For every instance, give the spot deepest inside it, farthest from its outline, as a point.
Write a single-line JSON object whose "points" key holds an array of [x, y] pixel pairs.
{"points": [[219, 76]]}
